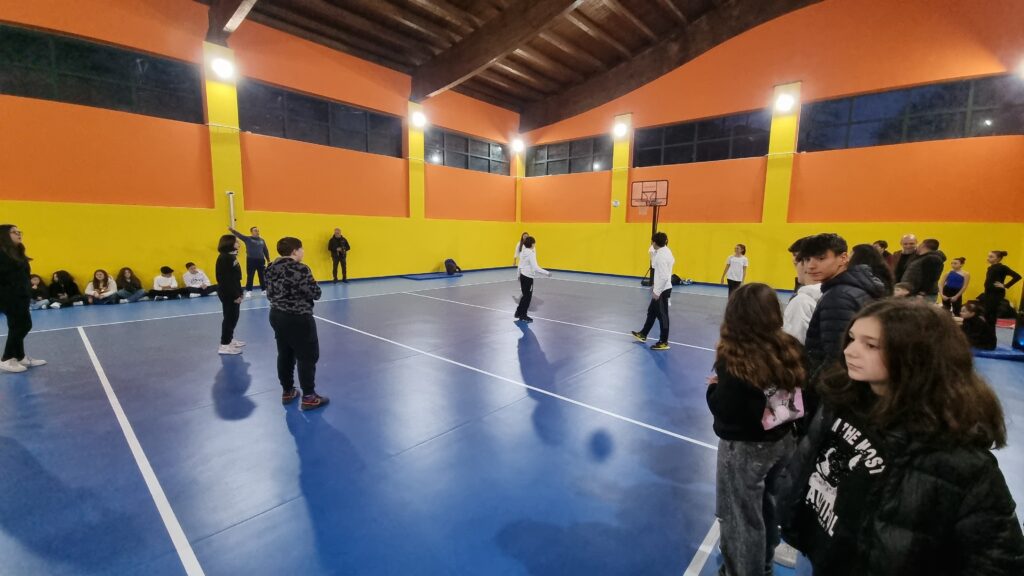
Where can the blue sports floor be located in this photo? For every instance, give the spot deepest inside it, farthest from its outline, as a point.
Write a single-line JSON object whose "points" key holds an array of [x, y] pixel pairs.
{"points": [[457, 442]]}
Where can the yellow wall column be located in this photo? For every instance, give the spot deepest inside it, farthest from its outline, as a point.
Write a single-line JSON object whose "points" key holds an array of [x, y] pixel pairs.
{"points": [[781, 148], [620, 168], [519, 171], [417, 179], [222, 119]]}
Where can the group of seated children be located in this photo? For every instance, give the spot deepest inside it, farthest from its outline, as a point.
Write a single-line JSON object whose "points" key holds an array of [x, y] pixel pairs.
{"points": [[979, 331], [125, 288]]}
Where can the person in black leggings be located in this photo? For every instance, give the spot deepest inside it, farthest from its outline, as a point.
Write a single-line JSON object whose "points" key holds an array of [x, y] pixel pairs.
{"points": [[15, 296], [229, 290], [996, 285]]}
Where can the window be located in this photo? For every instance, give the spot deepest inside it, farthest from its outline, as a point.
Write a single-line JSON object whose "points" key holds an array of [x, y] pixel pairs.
{"points": [[460, 151], [272, 111], [36, 64], [738, 136], [585, 155], [980, 107]]}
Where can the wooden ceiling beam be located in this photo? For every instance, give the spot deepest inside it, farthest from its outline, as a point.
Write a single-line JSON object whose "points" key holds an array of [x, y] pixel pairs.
{"points": [[414, 50], [319, 33], [510, 86], [553, 67], [684, 44], [527, 76], [671, 7], [594, 31], [494, 40], [626, 13], [449, 13], [225, 16], [573, 50], [439, 35]]}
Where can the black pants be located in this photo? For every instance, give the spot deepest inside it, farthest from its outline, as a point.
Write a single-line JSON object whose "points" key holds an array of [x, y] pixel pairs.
{"points": [[992, 299], [733, 285], [227, 326], [254, 267], [19, 324], [342, 259], [297, 342], [165, 293], [526, 284], [201, 291], [954, 305], [658, 310]]}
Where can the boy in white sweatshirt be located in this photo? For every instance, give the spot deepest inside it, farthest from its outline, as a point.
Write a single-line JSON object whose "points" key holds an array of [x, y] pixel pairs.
{"points": [[197, 283], [661, 290], [528, 270], [801, 307]]}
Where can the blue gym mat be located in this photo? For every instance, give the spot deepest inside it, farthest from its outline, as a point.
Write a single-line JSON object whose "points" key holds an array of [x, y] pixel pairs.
{"points": [[432, 276], [1001, 353]]}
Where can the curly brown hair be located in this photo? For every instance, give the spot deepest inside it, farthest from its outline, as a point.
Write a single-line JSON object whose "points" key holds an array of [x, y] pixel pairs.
{"points": [[933, 389], [752, 344]]}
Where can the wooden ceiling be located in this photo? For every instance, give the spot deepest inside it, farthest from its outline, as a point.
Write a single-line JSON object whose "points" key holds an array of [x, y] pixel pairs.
{"points": [[546, 59]]}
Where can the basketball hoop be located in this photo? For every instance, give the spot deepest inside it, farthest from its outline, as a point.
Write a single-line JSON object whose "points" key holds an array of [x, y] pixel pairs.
{"points": [[646, 194]]}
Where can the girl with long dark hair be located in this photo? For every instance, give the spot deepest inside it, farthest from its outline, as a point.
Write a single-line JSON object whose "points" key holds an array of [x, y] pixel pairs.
{"points": [[101, 289], [129, 287], [896, 474], [63, 290], [869, 256], [39, 295], [755, 399], [229, 290], [15, 298], [996, 284]]}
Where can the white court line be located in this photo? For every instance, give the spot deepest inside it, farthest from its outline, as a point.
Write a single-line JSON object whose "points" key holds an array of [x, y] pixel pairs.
{"points": [[704, 552], [249, 308], [551, 320], [181, 543], [524, 385], [688, 293]]}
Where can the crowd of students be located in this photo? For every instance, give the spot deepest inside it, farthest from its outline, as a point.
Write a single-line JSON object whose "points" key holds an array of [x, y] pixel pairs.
{"points": [[854, 426], [125, 288]]}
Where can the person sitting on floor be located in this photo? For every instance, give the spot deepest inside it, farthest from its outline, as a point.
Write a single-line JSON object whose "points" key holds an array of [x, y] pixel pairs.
{"points": [[39, 294], [63, 290], [165, 285], [980, 333], [197, 283]]}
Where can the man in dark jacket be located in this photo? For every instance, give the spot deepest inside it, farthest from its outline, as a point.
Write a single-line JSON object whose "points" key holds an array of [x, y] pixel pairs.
{"points": [[924, 271], [338, 246], [256, 257], [844, 293], [902, 259], [291, 290]]}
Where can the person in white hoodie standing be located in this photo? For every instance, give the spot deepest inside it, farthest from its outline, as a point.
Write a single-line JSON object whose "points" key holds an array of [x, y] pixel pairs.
{"points": [[519, 248], [661, 289], [528, 270], [801, 307]]}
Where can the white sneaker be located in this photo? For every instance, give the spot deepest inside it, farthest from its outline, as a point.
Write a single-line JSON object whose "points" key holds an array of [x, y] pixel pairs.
{"points": [[193, 295], [161, 298], [79, 303], [228, 349], [248, 295], [237, 343], [55, 305], [785, 555], [123, 302], [30, 362], [11, 365]]}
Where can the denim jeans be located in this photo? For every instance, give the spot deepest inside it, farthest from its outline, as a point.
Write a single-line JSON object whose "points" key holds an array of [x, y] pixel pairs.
{"points": [[38, 304], [130, 295]]}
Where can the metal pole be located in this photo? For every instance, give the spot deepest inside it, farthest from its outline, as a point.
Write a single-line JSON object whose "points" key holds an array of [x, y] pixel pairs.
{"points": [[231, 208]]}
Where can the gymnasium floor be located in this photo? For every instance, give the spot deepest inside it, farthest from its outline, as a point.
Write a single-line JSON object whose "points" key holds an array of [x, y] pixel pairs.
{"points": [[457, 441]]}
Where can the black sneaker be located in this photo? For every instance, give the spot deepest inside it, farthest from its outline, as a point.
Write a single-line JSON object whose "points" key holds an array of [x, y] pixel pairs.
{"points": [[289, 396], [639, 336], [313, 401], [526, 319], [660, 346]]}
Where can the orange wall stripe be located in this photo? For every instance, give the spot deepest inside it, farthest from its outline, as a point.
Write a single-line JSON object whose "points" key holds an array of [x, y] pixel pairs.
{"points": [[464, 114], [726, 191], [456, 194], [288, 176], [569, 198]]}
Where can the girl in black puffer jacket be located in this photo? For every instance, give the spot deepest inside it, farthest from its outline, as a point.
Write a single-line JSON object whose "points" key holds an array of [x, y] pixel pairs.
{"points": [[895, 475]]}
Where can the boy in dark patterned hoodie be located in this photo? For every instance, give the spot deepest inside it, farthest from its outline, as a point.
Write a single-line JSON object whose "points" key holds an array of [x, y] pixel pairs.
{"points": [[291, 291]]}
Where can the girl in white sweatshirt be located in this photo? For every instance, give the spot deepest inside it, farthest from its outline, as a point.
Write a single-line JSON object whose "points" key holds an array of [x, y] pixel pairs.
{"points": [[102, 289], [528, 270]]}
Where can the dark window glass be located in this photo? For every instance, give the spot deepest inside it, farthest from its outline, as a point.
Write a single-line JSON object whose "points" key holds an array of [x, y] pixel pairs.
{"points": [[759, 122], [939, 97], [455, 142], [27, 82], [998, 91], [997, 122], [935, 127], [94, 60], [880, 106], [167, 75], [305, 108], [540, 154], [435, 155], [434, 139], [876, 133], [25, 48], [579, 148], [312, 132], [480, 148], [648, 157], [828, 112], [536, 170], [711, 129], [558, 151], [479, 164], [176, 106], [386, 144], [680, 134], [499, 167], [461, 151], [602, 162], [750, 146], [455, 159], [94, 92], [385, 124], [678, 154], [823, 137], [349, 139], [558, 167], [585, 164], [713, 150], [603, 145], [498, 152], [648, 138]]}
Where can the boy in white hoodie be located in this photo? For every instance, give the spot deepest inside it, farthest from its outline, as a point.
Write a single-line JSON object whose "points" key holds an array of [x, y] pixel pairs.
{"points": [[801, 307], [528, 270]]}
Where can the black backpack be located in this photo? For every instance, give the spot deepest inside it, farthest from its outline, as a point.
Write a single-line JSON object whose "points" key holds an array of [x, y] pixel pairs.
{"points": [[451, 267]]}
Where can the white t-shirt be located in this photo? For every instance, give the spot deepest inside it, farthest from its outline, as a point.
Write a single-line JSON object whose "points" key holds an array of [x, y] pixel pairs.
{"points": [[736, 266], [160, 282]]}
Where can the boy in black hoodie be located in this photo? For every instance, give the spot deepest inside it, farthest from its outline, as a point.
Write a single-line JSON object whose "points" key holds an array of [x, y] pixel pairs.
{"points": [[291, 290], [844, 292]]}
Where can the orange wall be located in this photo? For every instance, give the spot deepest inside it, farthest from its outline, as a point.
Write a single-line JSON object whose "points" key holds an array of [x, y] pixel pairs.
{"points": [[173, 28], [726, 191], [968, 180], [837, 47], [288, 176], [464, 114], [568, 198], [50, 151], [457, 194]]}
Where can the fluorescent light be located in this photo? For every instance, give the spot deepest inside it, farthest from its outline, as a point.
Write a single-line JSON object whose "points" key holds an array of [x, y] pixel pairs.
{"points": [[223, 68], [436, 158], [597, 165], [785, 102], [419, 119], [988, 121], [620, 129], [517, 145]]}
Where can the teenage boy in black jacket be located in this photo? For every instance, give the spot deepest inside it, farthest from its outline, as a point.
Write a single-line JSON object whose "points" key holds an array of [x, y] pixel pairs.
{"points": [[291, 290]]}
